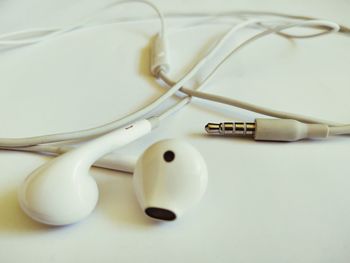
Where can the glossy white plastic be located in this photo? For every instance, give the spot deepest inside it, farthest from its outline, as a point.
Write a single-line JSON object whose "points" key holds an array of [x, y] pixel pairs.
{"points": [[169, 178], [61, 191]]}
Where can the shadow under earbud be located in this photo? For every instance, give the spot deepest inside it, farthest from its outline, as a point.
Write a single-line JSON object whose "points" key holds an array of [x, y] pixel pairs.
{"points": [[117, 200], [13, 219]]}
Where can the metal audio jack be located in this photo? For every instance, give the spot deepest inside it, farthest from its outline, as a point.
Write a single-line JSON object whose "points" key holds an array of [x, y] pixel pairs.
{"points": [[284, 130], [231, 128]]}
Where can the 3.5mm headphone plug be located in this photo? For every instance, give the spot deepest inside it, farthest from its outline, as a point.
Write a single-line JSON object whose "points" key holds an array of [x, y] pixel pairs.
{"points": [[270, 129]]}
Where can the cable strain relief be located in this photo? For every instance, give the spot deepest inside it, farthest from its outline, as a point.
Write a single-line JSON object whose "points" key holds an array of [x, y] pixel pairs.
{"points": [[159, 55], [288, 130], [154, 121], [317, 131]]}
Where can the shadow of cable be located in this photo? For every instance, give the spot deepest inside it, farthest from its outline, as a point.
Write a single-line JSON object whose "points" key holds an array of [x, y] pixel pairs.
{"points": [[199, 135]]}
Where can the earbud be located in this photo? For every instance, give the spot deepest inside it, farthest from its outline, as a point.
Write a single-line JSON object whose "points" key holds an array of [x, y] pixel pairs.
{"points": [[170, 177], [61, 191]]}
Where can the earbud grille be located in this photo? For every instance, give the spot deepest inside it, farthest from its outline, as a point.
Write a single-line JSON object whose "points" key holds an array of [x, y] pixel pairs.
{"points": [[169, 156], [160, 213]]}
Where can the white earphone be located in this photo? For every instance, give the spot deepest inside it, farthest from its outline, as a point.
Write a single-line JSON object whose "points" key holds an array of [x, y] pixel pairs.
{"points": [[169, 178]]}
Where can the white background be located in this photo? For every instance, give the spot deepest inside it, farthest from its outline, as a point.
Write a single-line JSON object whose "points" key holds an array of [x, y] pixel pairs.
{"points": [[266, 202]]}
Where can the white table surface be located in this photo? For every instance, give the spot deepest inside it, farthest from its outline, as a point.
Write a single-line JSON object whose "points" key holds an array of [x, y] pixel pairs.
{"points": [[266, 202]]}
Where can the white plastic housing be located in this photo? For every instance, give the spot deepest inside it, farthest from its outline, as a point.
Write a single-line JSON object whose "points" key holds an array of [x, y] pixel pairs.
{"points": [[288, 130], [166, 187], [61, 191], [159, 56]]}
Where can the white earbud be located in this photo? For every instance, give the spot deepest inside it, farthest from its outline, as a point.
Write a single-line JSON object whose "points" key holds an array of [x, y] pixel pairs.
{"points": [[169, 178], [61, 191]]}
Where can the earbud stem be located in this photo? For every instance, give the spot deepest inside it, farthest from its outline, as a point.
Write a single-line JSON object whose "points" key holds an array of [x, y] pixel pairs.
{"points": [[100, 146]]}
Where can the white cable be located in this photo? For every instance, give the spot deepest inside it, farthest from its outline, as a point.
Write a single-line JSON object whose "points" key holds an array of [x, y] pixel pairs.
{"points": [[175, 108], [98, 130], [331, 25], [339, 130], [51, 32], [252, 107], [154, 7], [248, 106], [93, 132], [112, 161], [113, 125], [248, 14]]}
